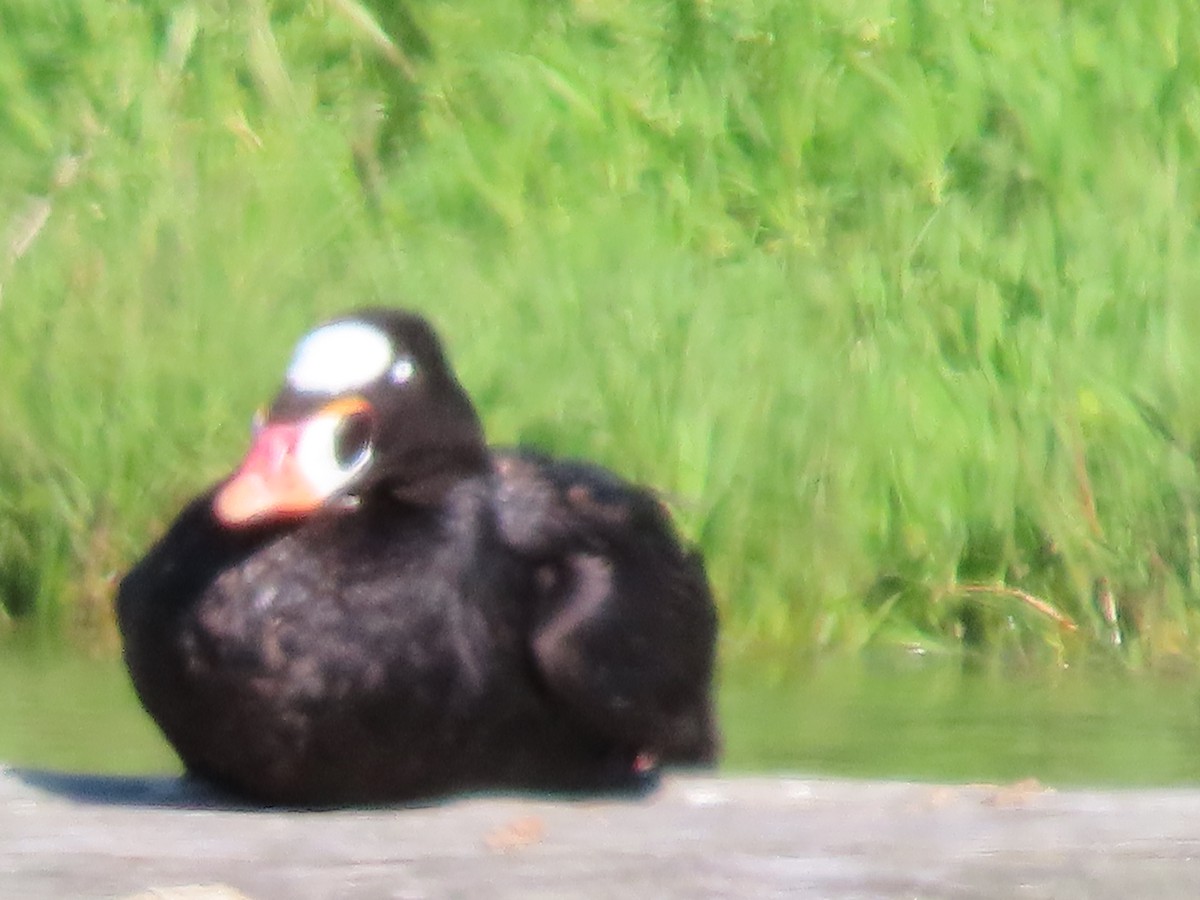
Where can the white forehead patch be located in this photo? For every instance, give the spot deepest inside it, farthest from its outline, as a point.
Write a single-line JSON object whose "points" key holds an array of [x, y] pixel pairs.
{"points": [[340, 357]]}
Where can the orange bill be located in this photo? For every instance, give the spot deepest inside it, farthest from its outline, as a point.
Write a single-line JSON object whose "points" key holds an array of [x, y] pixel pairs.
{"points": [[268, 484], [271, 483]]}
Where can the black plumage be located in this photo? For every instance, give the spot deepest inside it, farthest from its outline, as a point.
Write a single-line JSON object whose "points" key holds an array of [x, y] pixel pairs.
{"points": [[432, 617]]}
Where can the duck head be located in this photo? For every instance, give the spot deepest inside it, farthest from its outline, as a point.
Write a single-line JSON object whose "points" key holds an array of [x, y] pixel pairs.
{"points": [[369, 404]]}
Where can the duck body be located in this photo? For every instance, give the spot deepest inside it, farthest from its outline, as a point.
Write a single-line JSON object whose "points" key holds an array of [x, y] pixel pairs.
{"points": [[524, 623]]}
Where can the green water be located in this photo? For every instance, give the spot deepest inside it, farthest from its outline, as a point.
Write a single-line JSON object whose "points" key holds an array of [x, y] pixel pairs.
{"points": [[69, 712], [930, 719], [896, 719]]}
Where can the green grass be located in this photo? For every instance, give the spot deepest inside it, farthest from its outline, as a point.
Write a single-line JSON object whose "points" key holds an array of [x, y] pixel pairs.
{"points": [[896, 299]]}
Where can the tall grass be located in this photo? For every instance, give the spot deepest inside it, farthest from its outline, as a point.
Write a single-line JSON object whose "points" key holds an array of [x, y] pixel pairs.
{"points": [[896, 300]]}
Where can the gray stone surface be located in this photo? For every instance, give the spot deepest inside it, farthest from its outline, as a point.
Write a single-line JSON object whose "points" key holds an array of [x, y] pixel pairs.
{"points": [[94, 837]]}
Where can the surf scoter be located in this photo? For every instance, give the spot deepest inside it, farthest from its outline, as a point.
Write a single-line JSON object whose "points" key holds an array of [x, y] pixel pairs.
{"points": [[376, 607]]}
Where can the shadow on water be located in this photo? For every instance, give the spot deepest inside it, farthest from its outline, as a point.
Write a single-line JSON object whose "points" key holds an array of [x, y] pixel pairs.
{"points": [[186, 792], [157, 791]]}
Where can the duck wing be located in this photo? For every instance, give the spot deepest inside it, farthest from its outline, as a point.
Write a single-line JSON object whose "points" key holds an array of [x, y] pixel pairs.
{"points": [[625, 624]]}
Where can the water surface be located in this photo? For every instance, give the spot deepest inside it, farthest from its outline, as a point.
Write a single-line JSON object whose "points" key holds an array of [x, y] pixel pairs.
{"points": [[922, 719], [934, 720]]}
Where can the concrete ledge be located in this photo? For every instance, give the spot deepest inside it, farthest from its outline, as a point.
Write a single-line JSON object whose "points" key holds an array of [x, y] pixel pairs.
{"points": [[82, 836]]}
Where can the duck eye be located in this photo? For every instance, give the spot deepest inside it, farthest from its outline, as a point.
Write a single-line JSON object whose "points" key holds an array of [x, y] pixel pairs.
{"points": [[403, 369], [352, 440]]}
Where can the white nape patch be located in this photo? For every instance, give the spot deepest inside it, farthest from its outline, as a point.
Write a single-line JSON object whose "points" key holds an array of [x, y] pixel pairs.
{"points": [[340, 357]]}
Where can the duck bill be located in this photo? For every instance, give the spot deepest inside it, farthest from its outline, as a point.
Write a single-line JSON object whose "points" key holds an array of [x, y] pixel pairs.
{"points": [[269, 485], [292, 468]]}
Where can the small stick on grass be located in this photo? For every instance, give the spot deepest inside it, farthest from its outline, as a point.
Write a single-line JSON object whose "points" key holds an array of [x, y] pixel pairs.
{"points": [[1004, 590]]}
